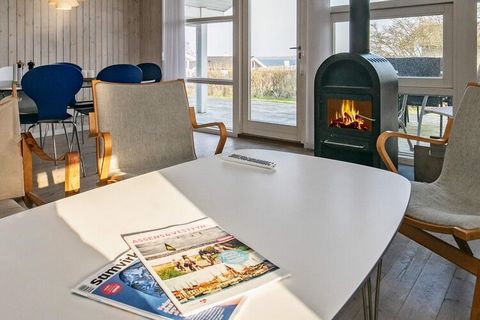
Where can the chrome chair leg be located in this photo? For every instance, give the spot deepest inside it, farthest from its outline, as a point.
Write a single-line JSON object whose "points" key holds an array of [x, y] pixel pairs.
{"points": [[81, 124], [54, 144], [66, 137], [41, 136]]}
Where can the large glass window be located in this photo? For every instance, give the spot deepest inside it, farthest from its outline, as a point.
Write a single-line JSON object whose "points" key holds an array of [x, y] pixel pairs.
{"points": [[273, 61], [414, 45], [208, 9], [209, 59], [418, 42]]}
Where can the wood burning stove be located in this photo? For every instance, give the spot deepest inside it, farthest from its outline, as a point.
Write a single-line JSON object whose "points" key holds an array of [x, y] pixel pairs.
{"points": [[356, 98]]}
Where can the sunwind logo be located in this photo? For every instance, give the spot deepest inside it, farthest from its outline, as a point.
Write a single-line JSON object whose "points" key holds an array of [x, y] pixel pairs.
{"points": [[124, 262]]}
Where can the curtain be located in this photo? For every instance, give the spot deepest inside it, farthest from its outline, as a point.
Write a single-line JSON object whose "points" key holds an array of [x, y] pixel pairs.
{"points": [[174, 43]]}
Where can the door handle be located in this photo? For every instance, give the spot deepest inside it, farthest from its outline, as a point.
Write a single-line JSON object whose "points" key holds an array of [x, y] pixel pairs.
{"points": [[296, 48]]}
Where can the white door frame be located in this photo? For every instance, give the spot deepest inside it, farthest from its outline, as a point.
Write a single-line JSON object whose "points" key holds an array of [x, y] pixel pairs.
{"points": [[291, 133]]}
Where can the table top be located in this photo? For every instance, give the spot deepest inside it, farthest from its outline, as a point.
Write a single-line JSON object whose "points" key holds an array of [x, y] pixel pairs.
{"points": [[324, 221]]}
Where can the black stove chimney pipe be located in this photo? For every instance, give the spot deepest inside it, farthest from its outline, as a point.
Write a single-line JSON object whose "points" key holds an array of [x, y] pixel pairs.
{"points": [[359, 26]]}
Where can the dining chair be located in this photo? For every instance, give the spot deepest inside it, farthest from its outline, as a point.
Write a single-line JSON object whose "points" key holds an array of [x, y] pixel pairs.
{"points": [[16, 163], [451, 204], [52, 88], [121, 73], [151, 72], [82, 108], [132, 141]]}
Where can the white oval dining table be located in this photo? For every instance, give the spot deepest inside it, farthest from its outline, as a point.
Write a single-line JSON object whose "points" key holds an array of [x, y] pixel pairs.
{"points": [[326, 222]]}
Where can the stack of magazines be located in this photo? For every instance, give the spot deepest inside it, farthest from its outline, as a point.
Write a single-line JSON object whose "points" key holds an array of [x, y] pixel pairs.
{"points": [[190, 271]]}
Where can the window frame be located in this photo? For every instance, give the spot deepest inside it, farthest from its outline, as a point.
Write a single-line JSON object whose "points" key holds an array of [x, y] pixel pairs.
{"points": [[216, 81], [404, 9]]}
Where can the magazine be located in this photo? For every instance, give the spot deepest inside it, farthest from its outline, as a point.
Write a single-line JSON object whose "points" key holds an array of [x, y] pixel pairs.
{"points": [[199, 265], [126, 284]]}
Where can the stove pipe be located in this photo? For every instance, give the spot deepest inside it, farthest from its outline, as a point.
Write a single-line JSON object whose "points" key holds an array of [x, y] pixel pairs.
{"points": [[359, 26]]}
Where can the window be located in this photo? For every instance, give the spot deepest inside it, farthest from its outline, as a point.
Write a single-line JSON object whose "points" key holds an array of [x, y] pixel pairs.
{"points": [[414, 45], [418, 42], [209, 59]]}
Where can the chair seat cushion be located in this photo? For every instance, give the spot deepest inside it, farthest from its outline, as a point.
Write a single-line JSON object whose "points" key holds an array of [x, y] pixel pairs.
{"points": [[432, 203], [9, 207]]}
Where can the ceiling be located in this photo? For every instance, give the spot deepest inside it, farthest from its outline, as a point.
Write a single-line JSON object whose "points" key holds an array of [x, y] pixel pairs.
{"points": [[217, 5]]}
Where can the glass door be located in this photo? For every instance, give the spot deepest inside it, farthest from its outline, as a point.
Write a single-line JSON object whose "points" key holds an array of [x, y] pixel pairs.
{"points": [[272, 105]]}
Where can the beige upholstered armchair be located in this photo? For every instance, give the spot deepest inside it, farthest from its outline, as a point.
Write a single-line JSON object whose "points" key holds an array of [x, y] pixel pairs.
{"points": [[450, 205], [16, 179], [143, 127]]}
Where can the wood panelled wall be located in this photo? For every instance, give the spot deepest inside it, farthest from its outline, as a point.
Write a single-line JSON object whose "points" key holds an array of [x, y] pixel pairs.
{"points": [[96, 34], [151, 29]]}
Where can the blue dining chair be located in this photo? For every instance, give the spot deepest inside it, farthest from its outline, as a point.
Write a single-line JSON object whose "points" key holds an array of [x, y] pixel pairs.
{"points": [[52, 88], [121, 73], [151, 72], [82, 108]]}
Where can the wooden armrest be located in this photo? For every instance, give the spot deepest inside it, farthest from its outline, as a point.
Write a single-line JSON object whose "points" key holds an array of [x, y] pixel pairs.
{"points": [[382, 140], [31, 198], [104, 154], [29, 147], [220, 125], [92, 124]]}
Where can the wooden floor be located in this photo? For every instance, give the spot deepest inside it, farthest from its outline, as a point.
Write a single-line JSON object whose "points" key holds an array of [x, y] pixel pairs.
{"points": [[416, 284]]}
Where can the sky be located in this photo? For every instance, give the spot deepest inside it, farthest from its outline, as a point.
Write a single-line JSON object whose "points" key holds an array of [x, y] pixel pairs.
{"points": [[273, 31]]}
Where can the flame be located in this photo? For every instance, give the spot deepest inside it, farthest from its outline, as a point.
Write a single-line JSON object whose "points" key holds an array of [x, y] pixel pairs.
{"points": [[349, 117]]}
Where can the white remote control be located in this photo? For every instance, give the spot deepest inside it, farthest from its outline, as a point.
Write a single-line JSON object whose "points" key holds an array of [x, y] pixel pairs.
{"points": [[238, 158]]}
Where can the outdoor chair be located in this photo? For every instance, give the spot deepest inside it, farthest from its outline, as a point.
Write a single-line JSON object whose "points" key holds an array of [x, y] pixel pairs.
{"points": [[16, 163], [451, 204], [143, 127]]}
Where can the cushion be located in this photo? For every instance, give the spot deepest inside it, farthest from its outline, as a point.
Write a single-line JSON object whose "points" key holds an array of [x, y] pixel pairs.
{"points": [[9, 207], [11, 162], [429, 202]]}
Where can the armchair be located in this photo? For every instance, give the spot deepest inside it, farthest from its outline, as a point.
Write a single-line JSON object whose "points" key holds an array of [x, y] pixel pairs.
{"points": [[450, 205], [143, 127], [16, 164]]}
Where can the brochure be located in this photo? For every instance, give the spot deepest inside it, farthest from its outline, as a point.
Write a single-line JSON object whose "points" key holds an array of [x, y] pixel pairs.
{"points": [[126, 284], [199, 265]]}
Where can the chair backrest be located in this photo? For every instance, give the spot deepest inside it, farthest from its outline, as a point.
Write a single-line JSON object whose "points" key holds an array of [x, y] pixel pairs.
{"points": [[76, 66], [11, 163], [461, 168], [121, 73], [151, 72], [52, 88], [149, 124]]}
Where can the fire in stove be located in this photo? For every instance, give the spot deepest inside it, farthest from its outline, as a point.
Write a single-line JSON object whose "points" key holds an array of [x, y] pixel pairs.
{"points": [[350, 117]]}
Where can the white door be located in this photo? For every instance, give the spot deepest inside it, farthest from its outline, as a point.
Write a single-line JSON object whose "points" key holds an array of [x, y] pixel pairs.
{"points": [[272, 99]]}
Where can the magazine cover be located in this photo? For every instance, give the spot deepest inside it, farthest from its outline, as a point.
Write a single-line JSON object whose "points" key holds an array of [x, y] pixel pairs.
{"points": [[127, 284], [199, 265]]}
